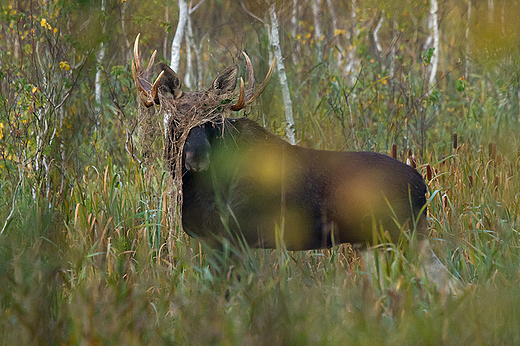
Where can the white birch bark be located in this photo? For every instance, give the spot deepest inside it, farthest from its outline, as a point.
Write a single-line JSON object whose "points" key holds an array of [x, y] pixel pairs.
{"points": [[491, 9], [97, 85], [466, 62], [188, 74], [434, 24], [294, 32], [393, 48], [198, 57], [127, 49], [375, 34], [335, 29], [352, 63], [179, 34], [316, 13], [166, 20], [274, 37]]}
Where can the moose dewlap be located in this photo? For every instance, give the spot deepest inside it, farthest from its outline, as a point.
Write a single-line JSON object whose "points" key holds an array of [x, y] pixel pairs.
{"points": [[238, 179]]}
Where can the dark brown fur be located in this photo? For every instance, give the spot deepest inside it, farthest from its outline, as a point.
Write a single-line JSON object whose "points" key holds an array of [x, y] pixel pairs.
{"points": [[240, 180], [257, 183]]}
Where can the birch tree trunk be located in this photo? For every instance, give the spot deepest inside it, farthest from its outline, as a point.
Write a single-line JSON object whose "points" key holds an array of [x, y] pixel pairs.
{"points": [[274, 38], [176, 49], [97, 86], [466, 62], [491, 10], [393, 49], [198, 57], [352, 63], [375, 34], [127, 49], [337, 33], [166, 20], [434, 24], [316, 12], [189, 79], [294, 32], [188, 74], [179, 34]]}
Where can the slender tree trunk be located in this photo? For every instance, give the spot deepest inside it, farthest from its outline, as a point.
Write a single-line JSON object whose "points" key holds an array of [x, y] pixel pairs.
{"points": [[316, 12], [466, 62], [336, 30], [352, 62], [200, 67], [379, 48], [97, 88], [179, 34], [176, 49], [189, 73], [393, 48], [434, 24], [166, 20], [491, 10], [128, 51], [274, 37], [503, 18], [294, 32]]}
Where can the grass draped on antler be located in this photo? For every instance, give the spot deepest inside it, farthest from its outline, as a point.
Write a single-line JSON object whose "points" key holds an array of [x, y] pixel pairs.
{"points": [[181, 116]]}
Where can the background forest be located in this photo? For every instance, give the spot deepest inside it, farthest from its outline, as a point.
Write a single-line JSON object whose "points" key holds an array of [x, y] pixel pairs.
{"points": [[90, 252]]}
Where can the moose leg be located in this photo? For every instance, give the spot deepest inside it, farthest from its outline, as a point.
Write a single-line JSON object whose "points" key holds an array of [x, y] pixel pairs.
{"points": [[432, 269], [372, 265], [429, 267]]}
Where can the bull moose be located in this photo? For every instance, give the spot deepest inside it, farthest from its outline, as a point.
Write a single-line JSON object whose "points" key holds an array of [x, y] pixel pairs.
{"points": [[240, 179]]}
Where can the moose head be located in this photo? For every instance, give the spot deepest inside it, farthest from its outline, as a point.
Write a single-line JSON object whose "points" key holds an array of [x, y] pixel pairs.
{"points": [[189, 117]]}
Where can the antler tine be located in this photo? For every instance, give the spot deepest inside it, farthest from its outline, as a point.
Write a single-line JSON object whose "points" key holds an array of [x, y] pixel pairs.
{"points": [[136, 54], [241, 103], [155, 86], [251, 76], [150, 65], [137, 73], [263, 85]]}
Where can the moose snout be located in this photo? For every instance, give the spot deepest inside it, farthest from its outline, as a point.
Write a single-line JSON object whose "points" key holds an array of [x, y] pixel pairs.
{"points": [[196, 162], [197, 150]]}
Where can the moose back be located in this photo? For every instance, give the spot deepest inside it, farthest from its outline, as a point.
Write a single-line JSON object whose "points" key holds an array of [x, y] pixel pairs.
{"points": [[238, 179]]}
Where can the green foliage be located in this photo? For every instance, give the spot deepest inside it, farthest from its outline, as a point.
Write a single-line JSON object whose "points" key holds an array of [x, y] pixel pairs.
{"points": [[85, 217]]}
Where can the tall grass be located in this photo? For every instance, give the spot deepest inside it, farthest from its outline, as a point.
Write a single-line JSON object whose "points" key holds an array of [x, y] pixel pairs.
{"points": [[85, 261], [93, 268]]}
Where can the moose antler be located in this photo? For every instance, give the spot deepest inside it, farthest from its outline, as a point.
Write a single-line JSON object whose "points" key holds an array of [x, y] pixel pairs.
{"points": [[251, 96], [142, 79]]}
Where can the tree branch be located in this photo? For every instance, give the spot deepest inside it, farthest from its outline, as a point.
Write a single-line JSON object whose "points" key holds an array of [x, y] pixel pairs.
{"points": [[250, 13]]}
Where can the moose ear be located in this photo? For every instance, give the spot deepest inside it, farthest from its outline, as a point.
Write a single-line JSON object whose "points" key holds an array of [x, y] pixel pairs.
{"points": [[169, 81], [226, 80]]}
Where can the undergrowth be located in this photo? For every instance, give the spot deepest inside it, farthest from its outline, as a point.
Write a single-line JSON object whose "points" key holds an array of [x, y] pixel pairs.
{"points": [[85, 217]]}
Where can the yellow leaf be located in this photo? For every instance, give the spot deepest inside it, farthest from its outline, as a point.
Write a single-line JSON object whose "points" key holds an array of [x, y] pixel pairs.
{"points": [[64, 65], [339, 32]]}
